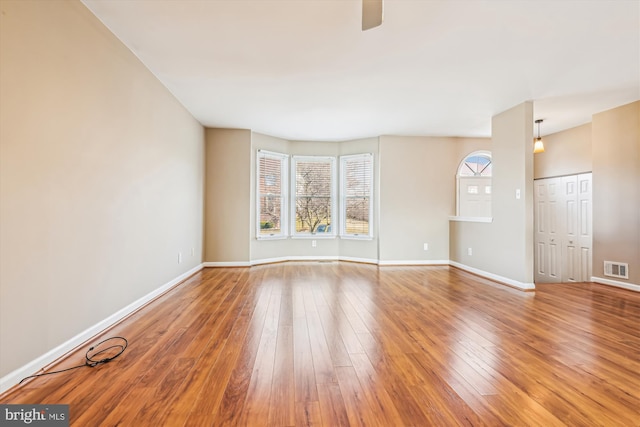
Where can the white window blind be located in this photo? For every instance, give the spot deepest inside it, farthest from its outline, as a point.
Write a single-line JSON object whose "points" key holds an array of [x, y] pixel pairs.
{"points": [[313, 186], [356, 189], [272, 194]]}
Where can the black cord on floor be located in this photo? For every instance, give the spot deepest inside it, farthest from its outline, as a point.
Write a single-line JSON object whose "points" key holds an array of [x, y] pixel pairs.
{"points": [[91, 359]]}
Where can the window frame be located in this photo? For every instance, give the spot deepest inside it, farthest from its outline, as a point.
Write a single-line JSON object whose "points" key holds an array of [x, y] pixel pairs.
{"points": [[294, 197], [343, 197], [284, 195]]}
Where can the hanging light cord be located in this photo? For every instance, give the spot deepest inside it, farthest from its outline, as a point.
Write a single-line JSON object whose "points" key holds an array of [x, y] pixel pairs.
{"points": [[538, 128], [538, 123], [92, 356]]}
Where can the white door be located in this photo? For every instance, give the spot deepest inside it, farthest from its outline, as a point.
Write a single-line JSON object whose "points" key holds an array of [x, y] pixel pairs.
{"points": [[585, 236], [570, 271], [563, 229], [547, 239]]}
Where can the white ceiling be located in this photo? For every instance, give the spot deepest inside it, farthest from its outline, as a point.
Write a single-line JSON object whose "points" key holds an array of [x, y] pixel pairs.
{"points": [[304, 70]]}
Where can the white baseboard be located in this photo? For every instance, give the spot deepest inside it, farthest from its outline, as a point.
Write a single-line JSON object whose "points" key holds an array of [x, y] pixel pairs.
{"points": [[293, 258], [616, 283], [313, 258], [326, 258], [414, 262], [289, 258], [227, 264], [269, 260], [514, 283], [52, 355], [360, 260]]}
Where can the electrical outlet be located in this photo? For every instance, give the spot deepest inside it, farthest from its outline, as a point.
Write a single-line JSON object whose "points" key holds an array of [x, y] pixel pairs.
{"points": [[179, 257], [313, 244], [518, 193], [193, 251], [426, 246], [469, 251]]}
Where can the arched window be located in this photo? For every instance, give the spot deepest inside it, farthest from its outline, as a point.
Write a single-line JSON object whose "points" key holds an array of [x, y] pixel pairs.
{"points": [[474, 185]]}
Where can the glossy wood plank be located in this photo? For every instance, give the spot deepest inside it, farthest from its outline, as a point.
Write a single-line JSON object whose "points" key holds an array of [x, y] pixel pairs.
{"points": [[332, 409], [344, 344], [282, 405]]}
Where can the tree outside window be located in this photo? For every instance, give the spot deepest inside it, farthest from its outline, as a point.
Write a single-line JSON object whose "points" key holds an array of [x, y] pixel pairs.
{"points": [[314, 182]]}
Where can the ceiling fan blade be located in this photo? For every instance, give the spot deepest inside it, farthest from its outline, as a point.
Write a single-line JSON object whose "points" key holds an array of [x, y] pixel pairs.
{"points": [[371, 14]]}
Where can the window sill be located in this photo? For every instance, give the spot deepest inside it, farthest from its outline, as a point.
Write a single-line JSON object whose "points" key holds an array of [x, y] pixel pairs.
{"points": [[353, 237], [313, 236], [276, 237], [471, 218]]}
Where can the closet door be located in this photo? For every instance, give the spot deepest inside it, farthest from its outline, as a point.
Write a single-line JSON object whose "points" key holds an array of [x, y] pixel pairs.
{"points": [[569, 239], [585, 236], [577, 240], [563, 229], [547, 236]]}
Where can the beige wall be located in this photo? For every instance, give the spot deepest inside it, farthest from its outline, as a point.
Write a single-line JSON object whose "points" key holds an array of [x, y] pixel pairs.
{"points": [[227, 196], [565, 153], [616, 189], [417, 194], [403, 222], [505, 246], [101, 178]]}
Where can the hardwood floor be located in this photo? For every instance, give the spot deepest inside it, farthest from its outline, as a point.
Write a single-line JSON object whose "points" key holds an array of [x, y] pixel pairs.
{"points": [[338, 344]]}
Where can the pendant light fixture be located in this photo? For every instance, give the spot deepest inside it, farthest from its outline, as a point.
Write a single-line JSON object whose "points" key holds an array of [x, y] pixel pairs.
{"points": [[538, 146]]}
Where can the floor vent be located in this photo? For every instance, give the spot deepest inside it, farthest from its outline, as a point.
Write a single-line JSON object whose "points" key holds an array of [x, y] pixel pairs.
{"points": [[616, 269]]}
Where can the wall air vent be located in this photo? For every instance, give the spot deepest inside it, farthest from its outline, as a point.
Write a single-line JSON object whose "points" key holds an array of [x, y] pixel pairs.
{"points": [[616, 269]]}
